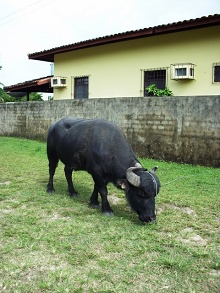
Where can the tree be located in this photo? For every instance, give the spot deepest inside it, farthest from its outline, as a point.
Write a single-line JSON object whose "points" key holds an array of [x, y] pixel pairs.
{"points": [[32, 97], [4, 97]]}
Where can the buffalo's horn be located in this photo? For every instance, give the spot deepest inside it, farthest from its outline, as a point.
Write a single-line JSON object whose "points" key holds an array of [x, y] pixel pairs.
{"points": [[132, 178], [138, 165]]}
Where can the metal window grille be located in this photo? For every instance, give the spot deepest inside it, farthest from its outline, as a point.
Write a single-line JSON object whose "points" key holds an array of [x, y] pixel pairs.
{"points": [[81, 87], [155, 76], [216, 72]]}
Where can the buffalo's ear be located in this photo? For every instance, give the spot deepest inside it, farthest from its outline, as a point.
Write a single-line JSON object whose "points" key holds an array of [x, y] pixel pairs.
{"points": [[122, 184], [154, 169]]}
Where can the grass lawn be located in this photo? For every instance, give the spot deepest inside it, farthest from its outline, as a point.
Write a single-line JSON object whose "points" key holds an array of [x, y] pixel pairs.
{"points": [[54, 243]]}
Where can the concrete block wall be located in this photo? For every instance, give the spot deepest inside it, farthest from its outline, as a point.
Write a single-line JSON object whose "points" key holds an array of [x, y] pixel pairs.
{"points": [[181, 129]]}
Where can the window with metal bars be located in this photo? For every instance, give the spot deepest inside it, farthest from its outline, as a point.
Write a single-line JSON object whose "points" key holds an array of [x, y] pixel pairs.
{"points": [[216, 72], [81, 87], [157, 77]]}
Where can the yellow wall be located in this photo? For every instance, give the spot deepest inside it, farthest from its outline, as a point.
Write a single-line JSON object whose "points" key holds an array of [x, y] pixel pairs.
{"points": [[116, 70]]}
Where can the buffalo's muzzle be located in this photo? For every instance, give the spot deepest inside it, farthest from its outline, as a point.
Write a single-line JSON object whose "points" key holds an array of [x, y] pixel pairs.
{"points": [[148, 219]]}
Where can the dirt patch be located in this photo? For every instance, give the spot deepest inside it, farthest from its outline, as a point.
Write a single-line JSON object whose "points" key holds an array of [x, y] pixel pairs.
{"points": [[5, 183], [5, 212], [215, 273], [35, 265], [114, 200], [188, 236], [57, 216], [186, 210]]}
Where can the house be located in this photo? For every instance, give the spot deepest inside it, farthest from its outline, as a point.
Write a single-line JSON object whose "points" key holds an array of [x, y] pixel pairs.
{"points": [[183, 56], [22, 89]]}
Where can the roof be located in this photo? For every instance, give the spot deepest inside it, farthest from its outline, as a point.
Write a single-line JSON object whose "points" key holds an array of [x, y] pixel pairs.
{"points": [[206, 21], [41, 85]]}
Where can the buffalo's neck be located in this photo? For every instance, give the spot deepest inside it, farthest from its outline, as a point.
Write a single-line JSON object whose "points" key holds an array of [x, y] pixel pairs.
{"points": [[119, 169]]}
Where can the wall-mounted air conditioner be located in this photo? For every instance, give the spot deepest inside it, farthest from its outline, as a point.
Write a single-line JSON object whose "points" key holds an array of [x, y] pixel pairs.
{"points": [[58, 81], [182, 71]]}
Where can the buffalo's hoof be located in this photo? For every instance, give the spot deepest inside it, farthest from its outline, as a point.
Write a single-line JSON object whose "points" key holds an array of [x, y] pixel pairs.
{"points": [[50, 191], [94, 206], [75, 194], [152, 222], [108, 214]]}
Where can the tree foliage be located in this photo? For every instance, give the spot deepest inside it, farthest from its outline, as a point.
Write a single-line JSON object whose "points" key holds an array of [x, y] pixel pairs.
{"points": [[153, 91], [5, 97], [32, 97]]}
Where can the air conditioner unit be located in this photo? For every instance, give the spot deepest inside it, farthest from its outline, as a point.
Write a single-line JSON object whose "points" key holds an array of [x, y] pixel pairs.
{"points": [[182, 71], [58, 81]]}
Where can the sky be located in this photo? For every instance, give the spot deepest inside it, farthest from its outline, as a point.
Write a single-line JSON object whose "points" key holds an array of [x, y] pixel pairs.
{"points": [[30, 26]]}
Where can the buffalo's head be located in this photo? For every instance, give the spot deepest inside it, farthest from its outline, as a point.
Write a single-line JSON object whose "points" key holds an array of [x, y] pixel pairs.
{"points": [[141, 188]]}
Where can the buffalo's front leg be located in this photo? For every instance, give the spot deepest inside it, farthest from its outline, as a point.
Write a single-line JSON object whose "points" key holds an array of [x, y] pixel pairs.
{"points": [[106, 209], [101, 188], [68, 174], [94, 203]]}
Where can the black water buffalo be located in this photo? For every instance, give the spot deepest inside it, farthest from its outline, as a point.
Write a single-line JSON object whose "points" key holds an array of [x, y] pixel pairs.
{"points": [[100, 148]]}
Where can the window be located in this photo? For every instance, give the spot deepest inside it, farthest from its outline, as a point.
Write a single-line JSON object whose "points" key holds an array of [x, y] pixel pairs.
{"points": [[58, 81], [157, 77], [182, 71], [55, 81], [63, 81], [216, 72], [81, 87]]}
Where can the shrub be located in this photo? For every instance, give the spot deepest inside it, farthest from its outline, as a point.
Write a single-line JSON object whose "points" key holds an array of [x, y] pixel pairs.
{"points": [[153, 91]]}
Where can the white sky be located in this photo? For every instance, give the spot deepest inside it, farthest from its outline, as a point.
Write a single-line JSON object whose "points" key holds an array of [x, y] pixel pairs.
{"points": [[29, 26]]}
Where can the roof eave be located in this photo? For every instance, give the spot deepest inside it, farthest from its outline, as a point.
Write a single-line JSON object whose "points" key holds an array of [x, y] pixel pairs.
{"points": [[48, 55], [35, 85]]}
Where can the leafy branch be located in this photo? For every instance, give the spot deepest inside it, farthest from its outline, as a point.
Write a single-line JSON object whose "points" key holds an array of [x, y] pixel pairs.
{"points": [[153, 91]]}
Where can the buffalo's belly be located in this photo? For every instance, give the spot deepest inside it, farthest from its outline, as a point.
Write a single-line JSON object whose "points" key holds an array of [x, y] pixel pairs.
{"points": [[70, 154]]}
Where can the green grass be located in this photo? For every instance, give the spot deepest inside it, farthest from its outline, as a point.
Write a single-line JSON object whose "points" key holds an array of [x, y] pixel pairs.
{"points": [[53, 243]]}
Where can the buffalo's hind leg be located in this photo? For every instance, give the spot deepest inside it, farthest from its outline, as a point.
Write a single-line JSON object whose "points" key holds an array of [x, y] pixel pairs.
{"points": [[52, 169], [68, 173]]}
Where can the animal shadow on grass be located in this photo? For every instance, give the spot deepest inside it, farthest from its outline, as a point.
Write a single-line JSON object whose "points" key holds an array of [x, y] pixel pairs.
{"points": [[120, 209]]}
